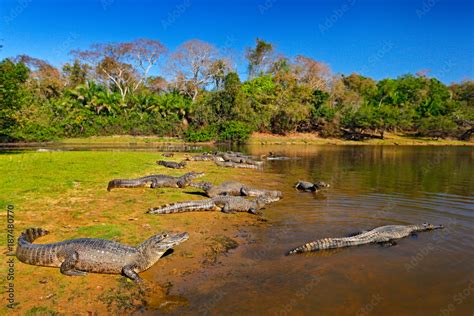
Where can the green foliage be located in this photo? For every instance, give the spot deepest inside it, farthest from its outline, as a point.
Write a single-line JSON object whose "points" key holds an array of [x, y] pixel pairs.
{"points": [[43, 104], [204, 134], [234, 131], [230, 131], [441, 126], [13, 95]]}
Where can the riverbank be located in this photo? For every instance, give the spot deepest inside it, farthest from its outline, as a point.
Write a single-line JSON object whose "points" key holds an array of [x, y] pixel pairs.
{"points": [[65, 193], [256, 139], [389, 139]]}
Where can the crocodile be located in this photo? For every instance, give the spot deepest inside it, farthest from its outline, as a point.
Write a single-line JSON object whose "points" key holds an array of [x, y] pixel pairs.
{"points": [[155, 181], [76, 257], [226, 204], [384, 235], [172, 164], [233, 188], [311, 187]]}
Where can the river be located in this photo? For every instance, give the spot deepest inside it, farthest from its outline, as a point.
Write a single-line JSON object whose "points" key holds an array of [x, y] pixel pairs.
{"points": [[431, 274]]}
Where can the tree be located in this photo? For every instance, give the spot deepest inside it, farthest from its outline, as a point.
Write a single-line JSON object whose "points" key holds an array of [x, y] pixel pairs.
{"points": [[314, 74], [191, 66], [260, 93], [76, 74], [126, 65], [219, 70], [156, 84], [43, 76], [260, 58], [13, 95]]}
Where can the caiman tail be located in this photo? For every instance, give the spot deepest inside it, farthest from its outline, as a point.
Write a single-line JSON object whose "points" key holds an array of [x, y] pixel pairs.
{"points": [[326, 243], [126, 183], [28, 252], [190, 206], [31, 234]]}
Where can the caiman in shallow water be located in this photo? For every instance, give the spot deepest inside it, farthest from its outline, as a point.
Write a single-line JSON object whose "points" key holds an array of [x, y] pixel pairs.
{"points": [[155, 181], [226, 204], [230, 164], [311, 187], [79, 256], [383, 235]]}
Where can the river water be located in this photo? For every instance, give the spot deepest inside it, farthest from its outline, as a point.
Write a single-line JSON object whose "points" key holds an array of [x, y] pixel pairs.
{"points": [[431, 274]]}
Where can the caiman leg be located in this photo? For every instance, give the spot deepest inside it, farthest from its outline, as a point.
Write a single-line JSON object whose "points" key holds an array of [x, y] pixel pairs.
{"points": [[226, 209], [388, 243], [253, 211], [129, 272], [69, 263]]}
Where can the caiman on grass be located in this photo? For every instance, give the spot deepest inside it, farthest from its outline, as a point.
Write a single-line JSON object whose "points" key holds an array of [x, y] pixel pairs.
{"points": [[155, 181], [385, 235], [172, 164], [226, 204], [76, 257]]}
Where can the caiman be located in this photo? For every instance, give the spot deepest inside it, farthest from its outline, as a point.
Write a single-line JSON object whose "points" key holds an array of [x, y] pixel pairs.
{"points": [[172, 164], [226, 204], [76, 257], [311, 187], [155, 181], [233, 188], [203, 157], [385, 235], [230, 164]]}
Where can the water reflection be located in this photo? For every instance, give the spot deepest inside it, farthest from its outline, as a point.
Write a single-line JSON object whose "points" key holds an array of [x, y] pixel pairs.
{"points": [[370, 186]]}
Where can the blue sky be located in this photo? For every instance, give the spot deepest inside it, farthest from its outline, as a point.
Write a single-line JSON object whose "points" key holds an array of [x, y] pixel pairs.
{"points": [[375, 38]]}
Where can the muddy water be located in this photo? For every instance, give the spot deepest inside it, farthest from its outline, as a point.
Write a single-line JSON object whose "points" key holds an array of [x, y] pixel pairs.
{"points": [[432, 274]]}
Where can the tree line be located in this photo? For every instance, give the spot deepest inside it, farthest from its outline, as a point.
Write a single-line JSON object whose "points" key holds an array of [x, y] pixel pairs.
{"points": [[140, 88]]}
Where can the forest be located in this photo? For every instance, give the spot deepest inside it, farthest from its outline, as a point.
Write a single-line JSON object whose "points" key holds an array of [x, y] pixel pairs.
{"points": [[194, 92]]}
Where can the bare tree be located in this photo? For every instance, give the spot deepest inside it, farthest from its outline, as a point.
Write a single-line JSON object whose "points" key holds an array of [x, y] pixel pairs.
{"points": [[312, 73], [191, 66], [125, 65], [43, 76], [145, 54]]}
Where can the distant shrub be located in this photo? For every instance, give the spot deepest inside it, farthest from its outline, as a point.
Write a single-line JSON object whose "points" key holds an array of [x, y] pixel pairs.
{"points": [[437, 126], [234, 132], [203, 134]]}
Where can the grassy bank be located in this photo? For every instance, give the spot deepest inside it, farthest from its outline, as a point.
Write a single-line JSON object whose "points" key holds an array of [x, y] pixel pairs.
{"points": [[65, 192], [265, 139], [389, 139], [289, 139]]}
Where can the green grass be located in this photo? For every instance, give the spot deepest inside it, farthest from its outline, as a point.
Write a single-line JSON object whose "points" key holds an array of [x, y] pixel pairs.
{"points": [[41, 311], [106, 231], [65, 192], [30, 175], [121, 139]]}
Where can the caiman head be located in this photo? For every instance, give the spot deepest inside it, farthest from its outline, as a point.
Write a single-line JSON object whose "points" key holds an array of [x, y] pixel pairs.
{"points": [[186, 179], [192, 175], [263, 200], [427, 226], [154, 247], [321, 185]]}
